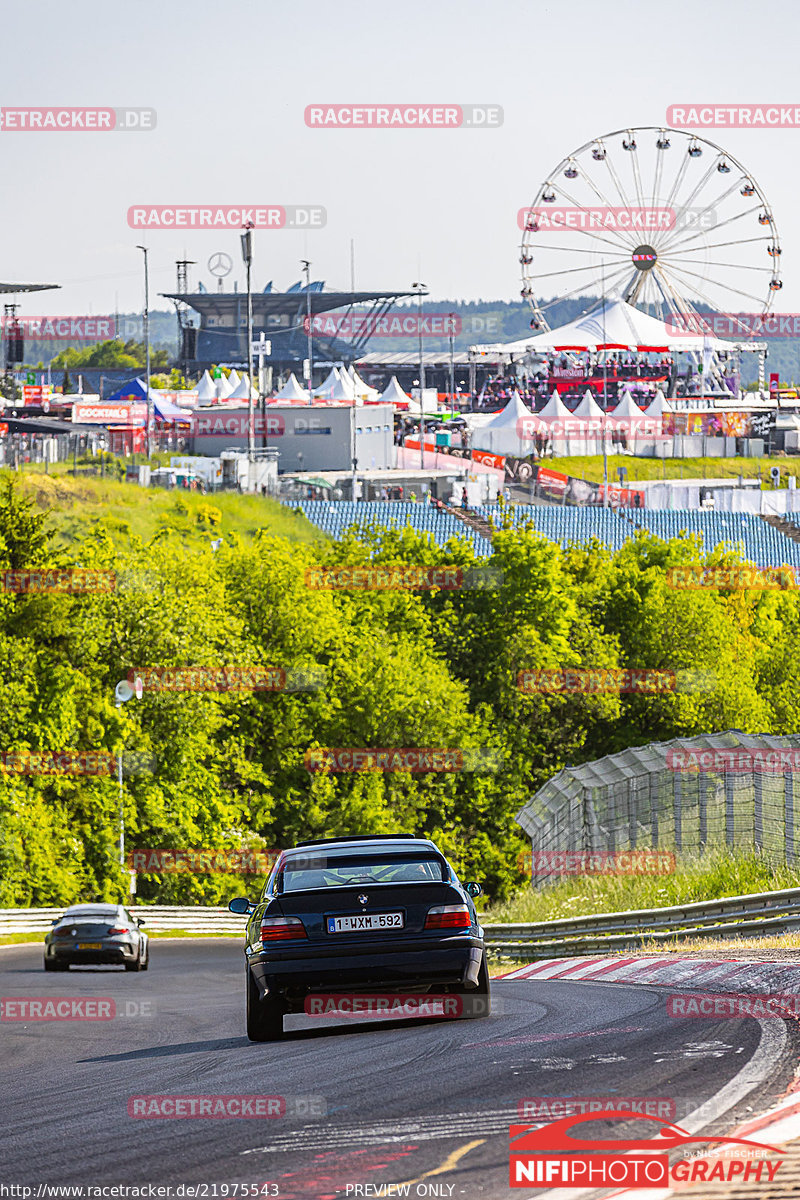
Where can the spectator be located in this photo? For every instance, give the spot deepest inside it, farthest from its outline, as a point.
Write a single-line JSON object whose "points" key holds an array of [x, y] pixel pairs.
{"points": [[464, 502]]}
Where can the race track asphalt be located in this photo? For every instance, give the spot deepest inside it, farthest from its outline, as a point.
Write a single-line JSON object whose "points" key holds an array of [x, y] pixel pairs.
{"points": [[367, 1102]]}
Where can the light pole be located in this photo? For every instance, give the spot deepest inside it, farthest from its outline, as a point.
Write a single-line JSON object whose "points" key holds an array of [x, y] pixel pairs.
{"points": [[124, 692], [605, 388], [452, 365], [247, 255], [146, 324], [419, 287], [307, 269]]}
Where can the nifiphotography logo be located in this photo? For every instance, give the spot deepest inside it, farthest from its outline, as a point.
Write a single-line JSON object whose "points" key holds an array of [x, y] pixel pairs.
{"points": [[553, 1156]]}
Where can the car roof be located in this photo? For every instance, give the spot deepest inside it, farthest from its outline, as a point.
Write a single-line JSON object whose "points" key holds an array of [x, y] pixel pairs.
{"points": [[400, 843], [99, 907]]}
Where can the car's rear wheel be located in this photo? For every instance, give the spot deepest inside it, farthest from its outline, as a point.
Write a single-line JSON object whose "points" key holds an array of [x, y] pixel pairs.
{"points": [[52, 964], [138, 964], [477, 1002], [264, 1017]]}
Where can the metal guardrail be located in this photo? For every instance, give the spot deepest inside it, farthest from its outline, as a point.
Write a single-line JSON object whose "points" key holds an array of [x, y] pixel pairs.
{"points": [[758, 915], [195, 919]]}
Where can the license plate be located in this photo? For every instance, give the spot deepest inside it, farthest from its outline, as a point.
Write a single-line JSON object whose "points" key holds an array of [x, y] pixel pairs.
{"points": [[365, 922], [89, 946]]}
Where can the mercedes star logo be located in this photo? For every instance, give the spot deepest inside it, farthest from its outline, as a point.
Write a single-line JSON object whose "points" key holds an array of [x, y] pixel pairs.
{"points": [[220, 264], [362, 899]]}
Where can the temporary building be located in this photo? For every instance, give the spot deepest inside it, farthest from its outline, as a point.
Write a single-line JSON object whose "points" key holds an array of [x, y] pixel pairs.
{"points": [[610, 325]]}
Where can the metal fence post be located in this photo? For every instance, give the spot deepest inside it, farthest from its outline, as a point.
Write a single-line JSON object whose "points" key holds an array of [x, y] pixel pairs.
{"points": [[788, 800], [758, 809], [702, 806], [729, 838], [653, 781], [677, 808]]}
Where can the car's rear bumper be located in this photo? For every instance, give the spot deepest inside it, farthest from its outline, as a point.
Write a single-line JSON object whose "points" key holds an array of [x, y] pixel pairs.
{"points": [[120, 953], [449, 962]]}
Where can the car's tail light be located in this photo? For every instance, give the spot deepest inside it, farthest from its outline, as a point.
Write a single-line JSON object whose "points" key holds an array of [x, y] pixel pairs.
{"points": [[448, 916], [282, 929], [119, 929], [59, 933]]}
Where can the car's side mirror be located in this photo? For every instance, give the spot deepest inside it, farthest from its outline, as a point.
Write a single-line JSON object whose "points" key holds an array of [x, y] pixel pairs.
{"points": [[56, 921], [473, 889], [239, 905], [140, 920]]}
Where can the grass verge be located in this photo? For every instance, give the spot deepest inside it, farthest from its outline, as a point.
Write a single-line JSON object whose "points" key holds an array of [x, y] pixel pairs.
{"points": [[590, 467], [707, 877]]}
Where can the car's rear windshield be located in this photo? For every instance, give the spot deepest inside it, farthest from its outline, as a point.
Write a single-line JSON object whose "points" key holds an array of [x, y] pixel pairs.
{"points": [[342, 870]]}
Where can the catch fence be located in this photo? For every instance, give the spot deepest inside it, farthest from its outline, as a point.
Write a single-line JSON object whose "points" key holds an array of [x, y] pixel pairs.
{"points": [[730, 790]]}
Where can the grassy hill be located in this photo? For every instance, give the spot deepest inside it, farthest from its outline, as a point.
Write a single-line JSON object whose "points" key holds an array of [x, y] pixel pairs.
{"points": [[77, 506]]}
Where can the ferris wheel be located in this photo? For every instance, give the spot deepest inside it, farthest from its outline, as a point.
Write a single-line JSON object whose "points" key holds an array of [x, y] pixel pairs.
{"points": [[667, 220]]}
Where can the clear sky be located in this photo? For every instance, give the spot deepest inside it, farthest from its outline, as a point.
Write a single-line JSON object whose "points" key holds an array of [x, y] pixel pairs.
{"points": [[230, 80]]}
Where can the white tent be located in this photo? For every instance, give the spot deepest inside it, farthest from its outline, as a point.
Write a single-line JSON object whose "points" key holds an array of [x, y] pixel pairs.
{"points": [[329, 385], [658, 406], [555, 410], [243, 391], [394, 394], [589, 410], [612, 325], [362, 390], [625, 408], [509, 431], [336, 391], [292, 391], [206, 388], [225, 387], [234, 379]]}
